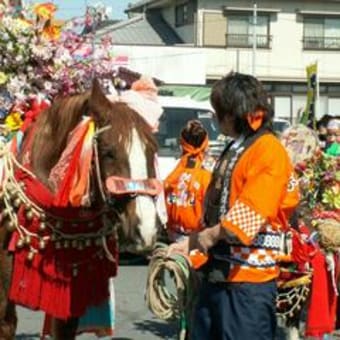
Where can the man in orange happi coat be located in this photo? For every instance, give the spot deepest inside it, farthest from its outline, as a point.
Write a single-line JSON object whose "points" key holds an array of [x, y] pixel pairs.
{"points": [[247, 205]]}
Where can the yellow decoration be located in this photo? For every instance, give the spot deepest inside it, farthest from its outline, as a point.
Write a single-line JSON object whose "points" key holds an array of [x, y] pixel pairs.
{"points": [[45, 10], [3, 78], [52, 32], [13, 121]]}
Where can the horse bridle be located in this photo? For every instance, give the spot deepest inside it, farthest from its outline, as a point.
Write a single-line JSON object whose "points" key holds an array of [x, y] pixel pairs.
{"points": [[109, 200], [96, 162]]}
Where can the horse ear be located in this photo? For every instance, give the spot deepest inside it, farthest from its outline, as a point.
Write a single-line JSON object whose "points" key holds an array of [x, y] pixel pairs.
{"points": [[98, 103]]}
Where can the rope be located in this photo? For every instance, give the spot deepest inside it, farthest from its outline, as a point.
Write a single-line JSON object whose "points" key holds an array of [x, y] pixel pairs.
{"points": [[159, 299]]}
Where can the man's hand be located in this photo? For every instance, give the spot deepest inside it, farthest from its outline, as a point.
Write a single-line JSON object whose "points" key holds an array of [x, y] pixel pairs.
{"points": [[181, 247]]}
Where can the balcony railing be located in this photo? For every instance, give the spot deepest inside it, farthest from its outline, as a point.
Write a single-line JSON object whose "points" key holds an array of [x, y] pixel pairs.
{"points": [[321, 43], [246, 40]]}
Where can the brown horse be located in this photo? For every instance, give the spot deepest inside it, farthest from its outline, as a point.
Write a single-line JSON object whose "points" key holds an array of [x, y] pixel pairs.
{"points": [[123, 148]]}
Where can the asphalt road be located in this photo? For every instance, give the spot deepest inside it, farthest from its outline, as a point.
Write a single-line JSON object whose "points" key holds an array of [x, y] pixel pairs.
{"points": [[133, 320]]}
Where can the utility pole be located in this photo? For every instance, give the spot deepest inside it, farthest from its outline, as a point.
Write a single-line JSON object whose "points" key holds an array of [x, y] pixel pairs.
{"points": [[254, 38]]}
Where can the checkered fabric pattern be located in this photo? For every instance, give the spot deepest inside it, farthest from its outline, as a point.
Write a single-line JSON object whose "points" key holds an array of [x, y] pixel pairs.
{"points": [[249, 221]]}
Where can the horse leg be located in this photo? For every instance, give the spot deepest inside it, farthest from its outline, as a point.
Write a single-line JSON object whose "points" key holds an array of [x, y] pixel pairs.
{"points": [[64, 329], [8, 316]]}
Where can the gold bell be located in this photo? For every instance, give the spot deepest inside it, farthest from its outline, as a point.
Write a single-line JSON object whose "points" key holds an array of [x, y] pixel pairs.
{"points": [[20, 243], [88, 242], [10, 226], [28, 239], [30, 256], [67, 244], [29, 214], [42, 226], [74, 243], [42, 244], [17, 202], [6, 212]]}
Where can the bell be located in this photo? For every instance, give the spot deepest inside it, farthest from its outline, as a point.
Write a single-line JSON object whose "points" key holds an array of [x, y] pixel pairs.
{"points": [[42, 226], [88, 242], [29, 214], [30, 256], [28, 239], [66, 244], [7, 212], [17, 202], [42, 244], [74, 243], [10, 225], [58, 245], [20, 243]]}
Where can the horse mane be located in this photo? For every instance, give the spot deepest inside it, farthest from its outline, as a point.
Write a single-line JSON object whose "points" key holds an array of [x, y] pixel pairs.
{"points": [[51, 130]]}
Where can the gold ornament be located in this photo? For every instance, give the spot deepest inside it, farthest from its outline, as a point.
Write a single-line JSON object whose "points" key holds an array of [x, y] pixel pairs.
{"points": [[42, 244], [74, 243], [88, 242], [30, 256], [42, 226], [66, 244], [17, 202], [10, 225], [28, 239], [29, 214], [20, 243]]}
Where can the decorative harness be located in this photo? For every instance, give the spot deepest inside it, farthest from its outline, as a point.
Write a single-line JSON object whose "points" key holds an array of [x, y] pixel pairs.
{"points": [[15, 200]]}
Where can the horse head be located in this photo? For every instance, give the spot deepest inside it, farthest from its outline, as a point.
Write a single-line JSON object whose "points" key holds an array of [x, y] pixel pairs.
{"points": [[125, 151]]}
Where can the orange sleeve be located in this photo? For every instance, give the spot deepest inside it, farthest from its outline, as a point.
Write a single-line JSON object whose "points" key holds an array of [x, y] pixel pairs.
{"points": [[264, 186]]}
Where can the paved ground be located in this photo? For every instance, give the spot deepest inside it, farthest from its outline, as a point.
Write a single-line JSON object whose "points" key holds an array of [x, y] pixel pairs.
{"points": [[134, 321]]}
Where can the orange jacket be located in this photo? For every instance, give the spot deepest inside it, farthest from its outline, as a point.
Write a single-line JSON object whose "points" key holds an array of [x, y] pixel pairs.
{"points": [[185, 188], [263, 193]]}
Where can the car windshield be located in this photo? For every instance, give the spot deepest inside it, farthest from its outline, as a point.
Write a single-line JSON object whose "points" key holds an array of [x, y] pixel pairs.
{"points": [[172, 122]]}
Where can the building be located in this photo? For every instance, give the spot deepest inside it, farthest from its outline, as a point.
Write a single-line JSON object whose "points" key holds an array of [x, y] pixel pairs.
{"points": [[214, 37]]}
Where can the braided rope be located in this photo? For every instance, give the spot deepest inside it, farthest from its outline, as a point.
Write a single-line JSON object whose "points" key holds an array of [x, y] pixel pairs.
{"points": [[161, 302]]}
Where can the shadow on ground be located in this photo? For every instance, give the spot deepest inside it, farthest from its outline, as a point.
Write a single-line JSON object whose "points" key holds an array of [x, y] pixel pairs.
{"points": [[158, 328]]}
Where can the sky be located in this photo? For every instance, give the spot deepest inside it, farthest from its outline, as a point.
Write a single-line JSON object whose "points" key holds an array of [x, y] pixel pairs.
{"points": [[73, 8]]}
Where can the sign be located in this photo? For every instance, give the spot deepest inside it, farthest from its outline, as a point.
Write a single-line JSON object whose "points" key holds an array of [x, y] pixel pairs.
{"points": [[308, 117]]}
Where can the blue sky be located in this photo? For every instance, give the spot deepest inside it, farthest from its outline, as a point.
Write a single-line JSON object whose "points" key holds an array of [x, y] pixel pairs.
{"points": [[73, 8]]}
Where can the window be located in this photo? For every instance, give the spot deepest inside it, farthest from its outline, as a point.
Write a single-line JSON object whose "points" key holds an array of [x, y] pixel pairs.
{"points": [[240, 31], [185, 13], [171, 123], [321, 33]]}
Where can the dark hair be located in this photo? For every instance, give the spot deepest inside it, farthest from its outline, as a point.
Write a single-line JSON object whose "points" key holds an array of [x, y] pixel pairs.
{"points": [[194, 133], [236, 95]]}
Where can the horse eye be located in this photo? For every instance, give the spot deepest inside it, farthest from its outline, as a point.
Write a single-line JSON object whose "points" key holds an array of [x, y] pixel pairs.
{"points": [[107, 154]]}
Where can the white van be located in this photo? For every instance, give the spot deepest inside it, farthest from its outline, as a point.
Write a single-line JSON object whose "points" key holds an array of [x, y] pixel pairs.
{"points": [[177, 111]]}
